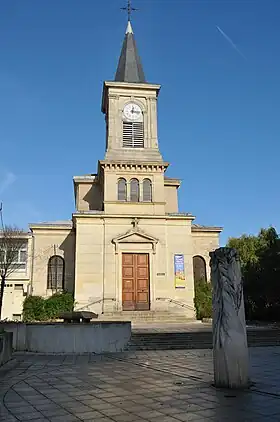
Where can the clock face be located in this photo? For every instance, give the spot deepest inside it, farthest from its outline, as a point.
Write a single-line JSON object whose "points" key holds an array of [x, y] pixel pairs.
{"points": [[132, 111]]}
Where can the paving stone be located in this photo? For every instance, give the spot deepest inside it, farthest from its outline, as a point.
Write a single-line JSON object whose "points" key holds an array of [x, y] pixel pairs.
{"points": [[85, 416], [54, 412], [189, 417], [122, 418], [113, 412], [162, 386], [64, 418]]}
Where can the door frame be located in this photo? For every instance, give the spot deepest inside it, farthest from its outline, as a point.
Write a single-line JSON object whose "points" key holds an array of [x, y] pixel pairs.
{"points": [[130, 248], [136, 279]]}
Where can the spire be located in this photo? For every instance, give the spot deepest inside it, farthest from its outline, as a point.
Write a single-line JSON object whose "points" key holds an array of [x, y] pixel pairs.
{"points": [[129, 29], [129, 67]]}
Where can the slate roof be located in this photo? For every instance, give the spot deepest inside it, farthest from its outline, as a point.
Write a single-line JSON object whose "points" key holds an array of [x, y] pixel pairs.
{"points": [[129, 68]]}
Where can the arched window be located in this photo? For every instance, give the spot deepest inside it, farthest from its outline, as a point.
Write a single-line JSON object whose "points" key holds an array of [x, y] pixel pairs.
{"points": [[199, 269], [56, 271], [134, 190], [147, 190], [122, 191]]}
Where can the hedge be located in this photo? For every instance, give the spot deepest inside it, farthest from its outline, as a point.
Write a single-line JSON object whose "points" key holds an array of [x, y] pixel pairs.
{"points": [[203, 299], [36, 308]]}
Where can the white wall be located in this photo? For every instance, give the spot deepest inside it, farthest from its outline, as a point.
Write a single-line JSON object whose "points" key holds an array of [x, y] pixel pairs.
{"points": [[95, 337]]}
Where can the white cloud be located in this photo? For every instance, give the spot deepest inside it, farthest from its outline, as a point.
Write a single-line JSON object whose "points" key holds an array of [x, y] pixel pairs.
{"points": [[229, 40], [7, 181]]}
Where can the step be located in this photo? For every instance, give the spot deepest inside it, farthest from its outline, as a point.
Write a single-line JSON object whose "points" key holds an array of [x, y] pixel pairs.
{"points": [[196, 340], [143, 316]]}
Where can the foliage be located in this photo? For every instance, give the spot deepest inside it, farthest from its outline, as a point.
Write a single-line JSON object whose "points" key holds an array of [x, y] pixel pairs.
{"points": [[12, 240], [260, 263], [59, 302], [203, 299], [36, 308]]}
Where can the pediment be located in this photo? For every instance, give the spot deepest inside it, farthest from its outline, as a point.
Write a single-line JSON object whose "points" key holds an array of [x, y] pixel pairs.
{"points": [[135, 236]]}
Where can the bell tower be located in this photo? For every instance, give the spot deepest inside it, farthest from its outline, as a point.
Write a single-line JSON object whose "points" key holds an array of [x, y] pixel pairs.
{"points": [[133, 169], [130, 107]]}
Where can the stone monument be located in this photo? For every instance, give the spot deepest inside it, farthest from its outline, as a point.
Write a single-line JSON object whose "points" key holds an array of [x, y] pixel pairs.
{"points": [[230, 350]]}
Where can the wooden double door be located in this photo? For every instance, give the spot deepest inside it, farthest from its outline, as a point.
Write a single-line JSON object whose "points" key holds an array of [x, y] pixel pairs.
{"points": [[135, 282]]}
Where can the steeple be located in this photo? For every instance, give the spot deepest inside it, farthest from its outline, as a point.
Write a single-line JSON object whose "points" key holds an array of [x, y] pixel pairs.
{"points": [[129, 67]]}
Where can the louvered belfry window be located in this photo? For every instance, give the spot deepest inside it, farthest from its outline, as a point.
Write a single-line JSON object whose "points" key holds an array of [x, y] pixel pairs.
{"points": [[134, 190], [147, 190], [122, 190], [133, 134]]}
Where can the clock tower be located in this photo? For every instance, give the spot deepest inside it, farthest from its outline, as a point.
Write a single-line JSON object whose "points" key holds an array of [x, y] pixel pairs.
{"points": [[130, 107], [132, 161]]}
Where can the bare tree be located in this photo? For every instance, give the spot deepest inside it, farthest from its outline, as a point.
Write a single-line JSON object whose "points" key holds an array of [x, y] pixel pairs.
{"points": [[12, 239]]}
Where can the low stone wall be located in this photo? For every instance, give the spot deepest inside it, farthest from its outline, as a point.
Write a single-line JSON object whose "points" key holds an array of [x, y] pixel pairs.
{"points": [[94, 337], [6, 347]]}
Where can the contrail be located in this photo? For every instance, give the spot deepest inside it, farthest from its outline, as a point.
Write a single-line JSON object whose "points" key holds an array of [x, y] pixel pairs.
{"points": [[228, 39]]}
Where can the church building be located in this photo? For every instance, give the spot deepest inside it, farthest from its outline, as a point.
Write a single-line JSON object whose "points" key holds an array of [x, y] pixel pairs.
{"points": [[127, 250]]}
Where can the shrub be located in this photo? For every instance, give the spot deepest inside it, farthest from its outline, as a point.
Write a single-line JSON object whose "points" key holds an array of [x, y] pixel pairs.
{"points": [[203, 299], [57, 303], [36, 308]]}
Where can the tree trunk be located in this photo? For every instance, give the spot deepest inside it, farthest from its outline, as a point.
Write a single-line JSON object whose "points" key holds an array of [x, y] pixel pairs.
{"points": [[230, 350], [2, 287]]}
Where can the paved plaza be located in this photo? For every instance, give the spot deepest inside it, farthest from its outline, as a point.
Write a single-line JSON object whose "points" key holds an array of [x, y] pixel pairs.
{"points": [[161, 386]]}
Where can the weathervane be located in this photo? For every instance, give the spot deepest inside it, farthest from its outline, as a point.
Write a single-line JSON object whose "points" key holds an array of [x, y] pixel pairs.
{"points": [[129, 9]]}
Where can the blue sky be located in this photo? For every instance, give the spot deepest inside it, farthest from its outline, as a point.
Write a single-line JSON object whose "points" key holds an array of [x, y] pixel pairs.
{"points": [[219, 122]]}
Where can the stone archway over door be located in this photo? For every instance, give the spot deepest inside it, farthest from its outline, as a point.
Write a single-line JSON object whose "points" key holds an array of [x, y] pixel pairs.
{"points": [[199, 269], [135, 282]]}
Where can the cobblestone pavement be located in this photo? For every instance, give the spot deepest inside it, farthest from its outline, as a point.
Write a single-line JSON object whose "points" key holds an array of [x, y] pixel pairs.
{"points": [[162, 386]]}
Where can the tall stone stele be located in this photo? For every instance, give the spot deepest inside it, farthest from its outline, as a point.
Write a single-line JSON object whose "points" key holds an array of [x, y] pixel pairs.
{"points": [[230, 349]]}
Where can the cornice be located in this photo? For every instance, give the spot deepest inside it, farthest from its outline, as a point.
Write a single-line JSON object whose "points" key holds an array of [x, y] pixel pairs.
{"points": [[133, 203], [85, 179], [172, 182], [102, 215], [147, 86], [213, 229], [132, 166]]}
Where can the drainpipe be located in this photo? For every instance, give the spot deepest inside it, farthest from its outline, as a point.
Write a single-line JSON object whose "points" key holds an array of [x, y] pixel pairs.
{"points": [[103, 267], [32, 264]]}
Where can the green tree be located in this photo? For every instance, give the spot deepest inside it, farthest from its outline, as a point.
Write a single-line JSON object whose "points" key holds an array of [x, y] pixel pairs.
{"points": [[260, 263], [203, 299]]}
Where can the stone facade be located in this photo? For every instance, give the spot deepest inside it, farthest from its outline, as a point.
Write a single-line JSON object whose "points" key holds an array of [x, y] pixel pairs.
{"points": [[111, 222]]}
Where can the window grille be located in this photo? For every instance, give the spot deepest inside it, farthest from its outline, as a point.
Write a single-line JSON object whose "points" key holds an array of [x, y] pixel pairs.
{"points": [[56, 267]]}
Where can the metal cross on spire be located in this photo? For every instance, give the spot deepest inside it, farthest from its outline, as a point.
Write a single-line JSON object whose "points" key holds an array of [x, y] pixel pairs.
{"points": [[129, 9]]}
